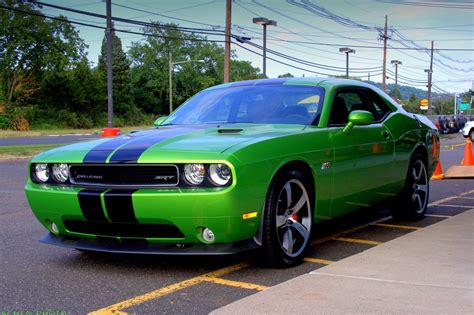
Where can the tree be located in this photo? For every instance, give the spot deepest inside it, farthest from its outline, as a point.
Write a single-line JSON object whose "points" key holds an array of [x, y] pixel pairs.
{"points": [[150, 67], [395, 94], [31, 45], [286, 75]]}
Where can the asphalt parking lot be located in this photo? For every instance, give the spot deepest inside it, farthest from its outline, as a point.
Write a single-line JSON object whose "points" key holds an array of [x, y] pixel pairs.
{"points": [[37, 277]]}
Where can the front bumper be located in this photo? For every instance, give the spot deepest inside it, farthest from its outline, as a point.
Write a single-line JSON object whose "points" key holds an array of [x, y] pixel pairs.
{"points": [[189, 210], [110, 245]]}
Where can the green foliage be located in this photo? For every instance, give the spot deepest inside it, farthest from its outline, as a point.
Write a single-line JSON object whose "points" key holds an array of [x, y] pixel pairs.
{"points": [[286, 75], [150, 68], [47, 82]]}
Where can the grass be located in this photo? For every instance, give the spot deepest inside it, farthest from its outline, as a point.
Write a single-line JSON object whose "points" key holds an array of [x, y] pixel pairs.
{"points": [[16, 151], [45, 132]]}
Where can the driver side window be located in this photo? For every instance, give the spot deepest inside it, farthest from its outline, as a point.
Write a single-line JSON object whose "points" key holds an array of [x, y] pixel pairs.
{"points": [[343, 104]]}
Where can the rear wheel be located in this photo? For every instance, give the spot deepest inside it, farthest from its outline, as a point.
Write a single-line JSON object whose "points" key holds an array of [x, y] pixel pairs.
{"points": [[412, 202], [288, 219]]}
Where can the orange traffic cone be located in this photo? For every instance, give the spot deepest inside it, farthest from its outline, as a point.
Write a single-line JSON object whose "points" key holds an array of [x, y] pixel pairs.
{"points": [[438, 174], [468, 158]]}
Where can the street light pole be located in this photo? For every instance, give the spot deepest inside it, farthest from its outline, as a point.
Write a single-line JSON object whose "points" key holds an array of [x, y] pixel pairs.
{"points": [[170, 75], [347, 51], [396, 63], [264, 22]]}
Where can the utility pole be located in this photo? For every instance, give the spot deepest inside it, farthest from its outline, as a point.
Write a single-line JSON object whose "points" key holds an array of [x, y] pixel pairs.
{"points": [[108, 35], [384, 69], [430, 78], [170, 82], [228, 21], [368, 77]]}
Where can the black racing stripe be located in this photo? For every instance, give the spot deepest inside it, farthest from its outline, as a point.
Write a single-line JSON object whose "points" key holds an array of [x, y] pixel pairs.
{"points": [[130, 152], [119, 206], [101, 152], [91, 205]]}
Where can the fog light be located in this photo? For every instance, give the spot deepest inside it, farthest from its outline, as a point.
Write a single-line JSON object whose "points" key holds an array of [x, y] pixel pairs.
{"points": [[54, 228], [208, 235]]}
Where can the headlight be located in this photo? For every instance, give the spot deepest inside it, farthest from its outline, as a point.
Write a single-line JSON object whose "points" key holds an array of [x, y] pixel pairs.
{"points": [[220, 174], [60, 172], [194, 173], [42, 172]]}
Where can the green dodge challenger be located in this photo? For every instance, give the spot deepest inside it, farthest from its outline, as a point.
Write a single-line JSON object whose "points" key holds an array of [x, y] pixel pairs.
{"points": [[239, 166]]}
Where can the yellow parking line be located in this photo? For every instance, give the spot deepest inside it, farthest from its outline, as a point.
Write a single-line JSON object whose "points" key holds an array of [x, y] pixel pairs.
{"points": [[238, 284], [467, 193], [437, 202], [451, 146], [115, 308], [461, 197], [456, 206], [438, 215], [356, 240], [318, 261], [397, 226]]}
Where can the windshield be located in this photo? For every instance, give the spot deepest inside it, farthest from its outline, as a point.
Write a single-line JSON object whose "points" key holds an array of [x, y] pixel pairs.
{"points": [[267, 104]]}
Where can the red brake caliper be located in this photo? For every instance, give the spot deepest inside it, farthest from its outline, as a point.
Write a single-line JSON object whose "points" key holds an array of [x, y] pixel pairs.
{"points": [[294, 217]]}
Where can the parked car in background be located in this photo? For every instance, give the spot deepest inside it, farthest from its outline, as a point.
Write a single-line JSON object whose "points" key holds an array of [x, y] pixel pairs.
{"points": [[468, 130]]}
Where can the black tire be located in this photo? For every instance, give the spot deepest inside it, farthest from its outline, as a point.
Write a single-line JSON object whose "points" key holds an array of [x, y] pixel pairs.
{"points": [[412, 201], [287, 220]]}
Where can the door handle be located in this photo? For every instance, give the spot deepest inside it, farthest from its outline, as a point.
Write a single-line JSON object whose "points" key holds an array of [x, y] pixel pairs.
{"points": [[385, 134]]}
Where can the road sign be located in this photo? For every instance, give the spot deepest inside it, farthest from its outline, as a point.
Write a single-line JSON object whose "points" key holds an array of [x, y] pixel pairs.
{"points": [[464, 106]]}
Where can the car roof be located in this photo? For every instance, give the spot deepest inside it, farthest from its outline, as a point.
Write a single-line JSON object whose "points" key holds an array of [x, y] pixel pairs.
{"points": [[307, 81]]}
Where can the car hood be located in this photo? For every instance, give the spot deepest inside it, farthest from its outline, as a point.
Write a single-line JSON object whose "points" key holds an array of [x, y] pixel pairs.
{"points": [[137, 145]]}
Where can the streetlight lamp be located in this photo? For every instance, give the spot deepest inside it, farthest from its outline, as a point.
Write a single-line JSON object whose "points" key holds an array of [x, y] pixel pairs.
{"points": [[170, 74], [264, 21], [396, 63], [347, 51]]}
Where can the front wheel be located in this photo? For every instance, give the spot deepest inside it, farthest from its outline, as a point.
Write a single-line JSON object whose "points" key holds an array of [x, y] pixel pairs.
{"points": [[412, 202], [288, 219]]}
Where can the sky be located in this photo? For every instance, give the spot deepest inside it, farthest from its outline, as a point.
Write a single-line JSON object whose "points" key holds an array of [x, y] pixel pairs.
{"points": [[312, 31]]}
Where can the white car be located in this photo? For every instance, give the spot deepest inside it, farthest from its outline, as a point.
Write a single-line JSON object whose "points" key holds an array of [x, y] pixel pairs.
{"points": [[468, 129]]}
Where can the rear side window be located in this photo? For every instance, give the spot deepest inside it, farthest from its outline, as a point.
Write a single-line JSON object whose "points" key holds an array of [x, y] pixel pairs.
{"points": [[380, 108]]}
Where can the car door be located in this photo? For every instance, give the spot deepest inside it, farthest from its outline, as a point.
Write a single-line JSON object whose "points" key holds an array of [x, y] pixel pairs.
{"points": [[363, 158]]}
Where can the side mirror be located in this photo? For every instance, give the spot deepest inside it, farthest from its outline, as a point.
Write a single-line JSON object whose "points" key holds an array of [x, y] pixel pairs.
{"points": [[159, 121], [358, 118]]}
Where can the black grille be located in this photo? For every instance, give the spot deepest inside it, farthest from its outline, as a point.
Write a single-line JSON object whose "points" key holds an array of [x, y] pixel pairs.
{"points": [[124, 175], [123, 229]]}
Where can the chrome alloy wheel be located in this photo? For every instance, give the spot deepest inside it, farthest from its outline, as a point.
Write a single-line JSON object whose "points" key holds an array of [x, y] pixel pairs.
{"points": [[293, 218], [419, 196]]}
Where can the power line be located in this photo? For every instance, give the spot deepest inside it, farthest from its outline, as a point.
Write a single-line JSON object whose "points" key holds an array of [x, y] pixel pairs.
{"points": [[115, 29], [431, 4]]}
